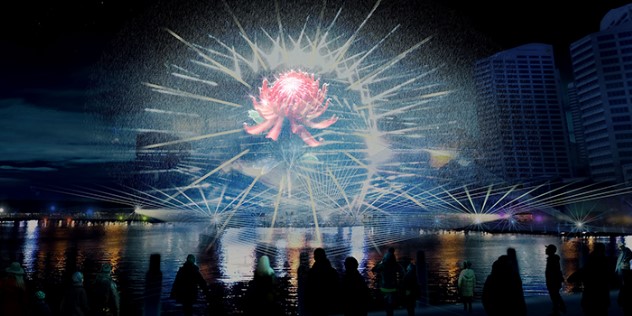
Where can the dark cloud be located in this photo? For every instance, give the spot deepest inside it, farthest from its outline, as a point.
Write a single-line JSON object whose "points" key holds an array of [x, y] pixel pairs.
{"points": [[32, 133]]}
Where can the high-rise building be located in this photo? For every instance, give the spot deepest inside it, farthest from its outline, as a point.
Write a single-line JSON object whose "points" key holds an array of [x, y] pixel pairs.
{"points": [[577, 144], [520, 114], [602, 70]]}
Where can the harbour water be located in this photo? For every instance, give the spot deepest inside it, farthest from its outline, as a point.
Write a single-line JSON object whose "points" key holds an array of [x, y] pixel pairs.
{"points": [[50, 252]]}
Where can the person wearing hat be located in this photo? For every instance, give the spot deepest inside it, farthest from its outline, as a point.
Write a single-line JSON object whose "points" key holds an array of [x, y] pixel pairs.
{"points": [[554, 279], [185, 286], [13, 293], [41, 308], [75, 299], [104, 295]]}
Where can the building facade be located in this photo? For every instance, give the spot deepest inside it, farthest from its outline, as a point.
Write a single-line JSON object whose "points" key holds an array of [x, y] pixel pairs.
{"points": [[520, 114], [602, 70]]}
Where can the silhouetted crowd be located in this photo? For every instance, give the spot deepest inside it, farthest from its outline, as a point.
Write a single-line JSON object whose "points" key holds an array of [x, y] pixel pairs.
{"points": [[100, 297], [322, 290]]}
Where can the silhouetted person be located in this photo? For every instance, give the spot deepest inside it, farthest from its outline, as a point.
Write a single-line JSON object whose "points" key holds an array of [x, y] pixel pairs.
{"points": [[515, 269], [104, 296], [153, 286], [301, 276], [595, 277], [623, 260], [554, 279], [466, 284], [422, 276], [261, 295], [513, 259], [186, 286], [40, 307], [502, 291], [389, 274], [75, 299], [410, 288], [13, 292], [355, 292], [624, 299], [323, 284]]}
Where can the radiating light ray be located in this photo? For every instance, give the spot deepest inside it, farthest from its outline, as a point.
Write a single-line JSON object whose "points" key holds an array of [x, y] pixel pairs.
{"points": [[373, 172], [133, 200], [192, 139], [593, 197], [523, 195], [469, 198], [457, 200], [489, 191], [228, 162], [196, 207], [402, 110], [358, 63], [85, 194], [208, 207], [389, 92], [345, 47], [235, 209], [277, 202], [584, 195], [581, 218], [176, 92], [200, 53], [535, 198], [243, 33], [191, 78], [167, 201], [370, 77], [159, 111]]}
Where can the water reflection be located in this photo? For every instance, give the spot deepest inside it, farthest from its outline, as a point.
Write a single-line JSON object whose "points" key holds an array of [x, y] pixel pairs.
{"points": [[50, 252]]}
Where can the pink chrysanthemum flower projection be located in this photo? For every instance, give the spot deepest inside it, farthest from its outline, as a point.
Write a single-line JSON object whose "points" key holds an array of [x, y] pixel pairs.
{"points": [[294, 95]]}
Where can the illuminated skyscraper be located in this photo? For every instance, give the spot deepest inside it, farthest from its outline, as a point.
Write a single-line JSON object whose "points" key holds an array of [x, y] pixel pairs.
{"points": [[520, 114], [602, 69]]}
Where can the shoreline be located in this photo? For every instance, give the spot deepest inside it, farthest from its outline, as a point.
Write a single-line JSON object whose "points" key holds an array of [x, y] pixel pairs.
{"points": [[68, 219]]}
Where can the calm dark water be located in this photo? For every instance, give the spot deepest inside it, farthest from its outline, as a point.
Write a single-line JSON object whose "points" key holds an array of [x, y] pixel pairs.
{"points": [[50, 252]]}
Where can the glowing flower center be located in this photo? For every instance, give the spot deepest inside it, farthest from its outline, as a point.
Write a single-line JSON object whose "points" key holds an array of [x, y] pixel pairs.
{"points": [[296, 96], [290, 85]]}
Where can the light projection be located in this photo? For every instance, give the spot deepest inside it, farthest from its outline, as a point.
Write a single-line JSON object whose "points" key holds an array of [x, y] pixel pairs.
{"points": [[311, 116], [334, 131]]}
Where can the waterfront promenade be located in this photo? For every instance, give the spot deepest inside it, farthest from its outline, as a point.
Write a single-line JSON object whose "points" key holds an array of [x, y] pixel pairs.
{"points": [[536, 306]]}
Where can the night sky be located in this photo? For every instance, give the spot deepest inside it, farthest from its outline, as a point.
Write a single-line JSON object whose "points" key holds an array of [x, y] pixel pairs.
{"points": [[51, 66]]}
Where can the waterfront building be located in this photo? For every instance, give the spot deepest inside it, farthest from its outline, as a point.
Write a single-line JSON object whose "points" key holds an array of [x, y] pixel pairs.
{"points": [[602, 70], [520, 114]]}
